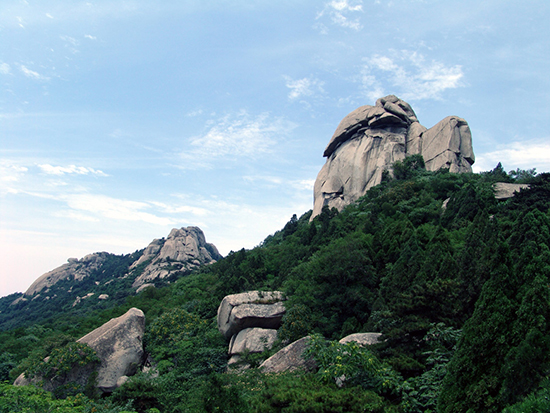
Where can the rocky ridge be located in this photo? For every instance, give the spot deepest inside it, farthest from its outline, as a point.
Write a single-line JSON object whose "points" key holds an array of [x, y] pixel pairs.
{"points": [[371, 138]]}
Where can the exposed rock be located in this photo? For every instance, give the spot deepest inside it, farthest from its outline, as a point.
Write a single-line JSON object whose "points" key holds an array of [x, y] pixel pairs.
{"points": [[505, 190], [363, 339], [184, 249], [119, 346], [371, 138], [251, 309], [252, 340], [289, 358], [144, 286], [74, 269], [103, 297], [117, 343]]}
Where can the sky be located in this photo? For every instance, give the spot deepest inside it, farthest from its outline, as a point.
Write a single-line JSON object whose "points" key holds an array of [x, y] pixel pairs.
{"points": [[123, 119]]}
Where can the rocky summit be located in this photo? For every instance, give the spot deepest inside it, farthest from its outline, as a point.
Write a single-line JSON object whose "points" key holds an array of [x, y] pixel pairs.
{"points": [[184, 249], [371, 138]]}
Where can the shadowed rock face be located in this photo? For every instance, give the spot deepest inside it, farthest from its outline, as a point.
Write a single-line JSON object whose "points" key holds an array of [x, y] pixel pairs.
{"points": [[371, 138]]}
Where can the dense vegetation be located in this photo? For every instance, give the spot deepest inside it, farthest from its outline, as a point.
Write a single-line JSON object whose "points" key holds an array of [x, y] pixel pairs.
{"points": [[457, 282]]}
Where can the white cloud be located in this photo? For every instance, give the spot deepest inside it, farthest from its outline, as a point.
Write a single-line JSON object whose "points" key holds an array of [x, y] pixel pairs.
{"points": [[32, 74], [409, 75], [113, 208], [235, 137], [5, 69], [89, 36], [524, 155], [339, 12], [71, 169], [303, 87]]}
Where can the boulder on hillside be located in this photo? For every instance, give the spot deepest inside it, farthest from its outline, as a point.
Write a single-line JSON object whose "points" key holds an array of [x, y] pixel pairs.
{"points": [[252, 340], [184, 249], [371, 138], [119, 347], [250, 309], [363, 339], [289, 358]]}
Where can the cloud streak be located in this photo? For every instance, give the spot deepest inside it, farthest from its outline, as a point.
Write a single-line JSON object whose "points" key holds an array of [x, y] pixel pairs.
{"points": [[71, 169], [234, 137], [307, 86], [339, 13], [410, 74], [523, 155]]}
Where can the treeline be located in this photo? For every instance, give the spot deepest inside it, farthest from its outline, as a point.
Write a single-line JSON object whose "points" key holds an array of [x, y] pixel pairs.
{"points": [[456, 281]]}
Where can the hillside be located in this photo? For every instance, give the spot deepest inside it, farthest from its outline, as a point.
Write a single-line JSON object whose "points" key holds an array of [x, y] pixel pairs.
{"points": [[454, 279]]}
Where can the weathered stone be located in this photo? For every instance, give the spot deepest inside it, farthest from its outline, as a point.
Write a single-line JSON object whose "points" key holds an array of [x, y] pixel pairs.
{"points": [[289, 358], [117, 343], [144, 286], [505, 190], [252, 340], [363, 339], [74, 269], [371, 138], [184, 249], [250, 309], [119, 346]]}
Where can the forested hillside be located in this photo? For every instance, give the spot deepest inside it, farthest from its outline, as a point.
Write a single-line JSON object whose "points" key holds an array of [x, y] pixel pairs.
{"points": [[457, 282]]}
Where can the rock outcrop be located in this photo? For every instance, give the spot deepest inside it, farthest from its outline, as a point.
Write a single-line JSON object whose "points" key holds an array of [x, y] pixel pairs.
{"points": [[119, 346], [363, 339], [76, 269], [250, 321], [289, 358], [504, 190], [263, 309], [184, 249], [371, 138]]}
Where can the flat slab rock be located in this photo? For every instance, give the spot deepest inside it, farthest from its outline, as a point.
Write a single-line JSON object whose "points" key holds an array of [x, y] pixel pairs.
{"points": [[363, 339], [263, 309], [289, 358], [505, 190]]}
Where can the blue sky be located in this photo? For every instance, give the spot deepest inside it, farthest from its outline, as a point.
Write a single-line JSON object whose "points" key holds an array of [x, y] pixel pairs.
{"points": [[122, 119]]}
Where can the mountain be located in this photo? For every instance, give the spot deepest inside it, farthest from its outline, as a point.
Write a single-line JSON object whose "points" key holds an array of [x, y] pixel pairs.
{"points": [[369, 140], [102, 280]]}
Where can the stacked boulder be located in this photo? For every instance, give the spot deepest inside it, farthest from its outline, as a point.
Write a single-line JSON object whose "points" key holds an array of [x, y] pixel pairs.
{"points": [[250, 321]]}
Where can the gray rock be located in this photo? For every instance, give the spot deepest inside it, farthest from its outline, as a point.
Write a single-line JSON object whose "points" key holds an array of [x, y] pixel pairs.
{"points": [[289, 358], [144, 286], [119, 346], [117, 343], [363, 339], [184, 249], [250, 309], [371, 138], [79, 269], [252, 340], [505, 190]]}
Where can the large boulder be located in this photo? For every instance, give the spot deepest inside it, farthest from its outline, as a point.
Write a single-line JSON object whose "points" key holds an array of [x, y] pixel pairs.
{"points": [[183, 250], [289, 358], [371, 138], [252, 340], [119, 346], [264, 309]]}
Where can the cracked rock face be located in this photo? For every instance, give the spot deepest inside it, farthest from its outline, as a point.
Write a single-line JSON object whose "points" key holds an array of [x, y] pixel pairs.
{"points": [[371, 138], [184, 249]]}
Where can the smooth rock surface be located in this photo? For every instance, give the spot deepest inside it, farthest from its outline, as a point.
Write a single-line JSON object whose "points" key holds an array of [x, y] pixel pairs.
{"points": [[289, 358], [363, 339], [119, 345], [184, 249], [505, 190], [252, 340], [250, 309], [371, 138]]}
